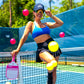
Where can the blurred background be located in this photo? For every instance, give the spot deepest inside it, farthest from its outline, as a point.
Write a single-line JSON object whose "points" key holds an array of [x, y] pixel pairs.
{"points": [[11, 10]]}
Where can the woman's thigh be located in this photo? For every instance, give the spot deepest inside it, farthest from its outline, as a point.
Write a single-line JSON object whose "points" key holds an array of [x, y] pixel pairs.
{"points": [[46, 56]]}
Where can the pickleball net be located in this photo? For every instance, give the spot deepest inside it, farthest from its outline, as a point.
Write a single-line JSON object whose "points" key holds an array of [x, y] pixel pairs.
{"points": [[31, 72]]}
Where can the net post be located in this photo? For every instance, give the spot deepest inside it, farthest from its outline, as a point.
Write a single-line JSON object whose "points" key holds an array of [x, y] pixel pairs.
{"points": [[20, 79], [65, 60]]}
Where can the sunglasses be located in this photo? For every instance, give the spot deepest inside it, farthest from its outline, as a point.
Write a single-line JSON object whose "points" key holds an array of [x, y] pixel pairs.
{"points": [[39, 11]]}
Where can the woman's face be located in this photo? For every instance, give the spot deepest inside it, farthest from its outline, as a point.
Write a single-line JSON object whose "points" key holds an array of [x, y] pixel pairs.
{"points": [[38, 14]]}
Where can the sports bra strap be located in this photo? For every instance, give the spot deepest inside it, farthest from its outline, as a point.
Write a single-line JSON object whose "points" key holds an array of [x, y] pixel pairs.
{"points": [[34, 23]]}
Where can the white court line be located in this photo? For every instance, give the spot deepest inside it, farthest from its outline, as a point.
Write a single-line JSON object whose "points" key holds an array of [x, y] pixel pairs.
{"points": [[63, 71], [40, 75], [31, 76], [33, 67], [71, 71], [3, 80], [35, 76], [60, 71], [72, 49]]}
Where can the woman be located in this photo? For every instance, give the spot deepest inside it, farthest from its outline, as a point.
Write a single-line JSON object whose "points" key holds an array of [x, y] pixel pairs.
{"points": [[40, 32]]}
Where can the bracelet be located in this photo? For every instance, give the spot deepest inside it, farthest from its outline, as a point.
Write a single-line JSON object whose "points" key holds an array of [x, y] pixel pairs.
{"points": [[52, 16]]}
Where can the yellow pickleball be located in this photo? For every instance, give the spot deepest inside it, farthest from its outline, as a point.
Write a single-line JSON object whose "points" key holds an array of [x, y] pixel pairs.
{"points": [[8, 83], [54, 63], [53, 46], [49, 66]]}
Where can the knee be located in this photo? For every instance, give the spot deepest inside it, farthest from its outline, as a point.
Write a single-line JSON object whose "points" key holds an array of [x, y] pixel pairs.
{"points": [[51, 65]]}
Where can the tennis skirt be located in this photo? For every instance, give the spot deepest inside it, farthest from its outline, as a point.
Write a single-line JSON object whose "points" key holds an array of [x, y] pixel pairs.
{"points": [[42, 47]]}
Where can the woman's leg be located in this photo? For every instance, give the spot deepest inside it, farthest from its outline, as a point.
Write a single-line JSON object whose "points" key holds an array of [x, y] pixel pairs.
{"points": [[54, 71], [47, 57]]}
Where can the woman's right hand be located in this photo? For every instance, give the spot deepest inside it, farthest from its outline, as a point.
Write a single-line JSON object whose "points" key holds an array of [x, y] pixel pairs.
{"points": [[14, 52]]}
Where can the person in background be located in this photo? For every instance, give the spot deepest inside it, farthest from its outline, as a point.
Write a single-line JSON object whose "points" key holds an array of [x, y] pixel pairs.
{"points": [[41, 35]]}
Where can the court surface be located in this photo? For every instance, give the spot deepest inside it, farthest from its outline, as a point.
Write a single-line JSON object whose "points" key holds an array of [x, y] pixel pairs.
{"points": [[38, 75]]}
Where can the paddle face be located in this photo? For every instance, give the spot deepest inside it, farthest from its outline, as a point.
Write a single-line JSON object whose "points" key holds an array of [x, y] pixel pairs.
{"points": [[12, 70]]}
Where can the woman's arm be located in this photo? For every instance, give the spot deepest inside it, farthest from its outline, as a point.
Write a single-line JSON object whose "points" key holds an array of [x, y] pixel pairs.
{"points": [[23, 39], [55, 24], [25, 35]]}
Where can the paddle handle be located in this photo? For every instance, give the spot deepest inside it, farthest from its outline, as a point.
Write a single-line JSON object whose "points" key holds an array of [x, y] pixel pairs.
{"points": [[13, 58]]}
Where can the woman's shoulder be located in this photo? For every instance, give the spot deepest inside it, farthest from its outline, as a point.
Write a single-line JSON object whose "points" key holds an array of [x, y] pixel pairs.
{"points": [[30, 22]]}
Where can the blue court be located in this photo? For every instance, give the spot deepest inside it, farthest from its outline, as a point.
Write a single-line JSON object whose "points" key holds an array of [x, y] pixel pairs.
{"points": [[38, 75]]}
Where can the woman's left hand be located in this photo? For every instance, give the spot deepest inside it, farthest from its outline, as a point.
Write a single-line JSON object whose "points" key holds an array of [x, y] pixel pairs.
{"points": [[48, 12]]}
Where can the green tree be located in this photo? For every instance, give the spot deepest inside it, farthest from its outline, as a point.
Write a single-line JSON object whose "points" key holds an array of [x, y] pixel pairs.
{"points": [[17, 6], [80, 3], [4, 15], [66, 5], [54, 11], [51, 1], [10, 20], [69, 4]]}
